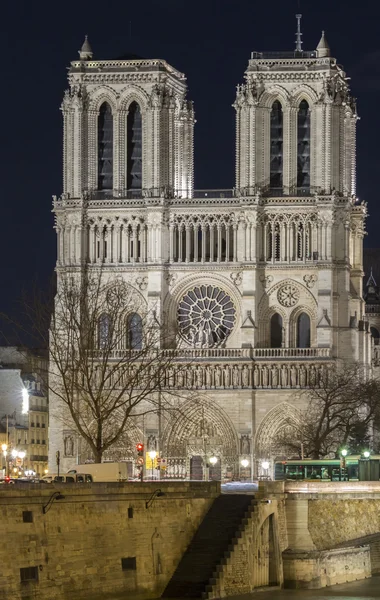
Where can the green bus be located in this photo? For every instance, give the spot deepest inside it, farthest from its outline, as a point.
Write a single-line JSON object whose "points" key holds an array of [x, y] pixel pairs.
{"points": [[318, 470]]}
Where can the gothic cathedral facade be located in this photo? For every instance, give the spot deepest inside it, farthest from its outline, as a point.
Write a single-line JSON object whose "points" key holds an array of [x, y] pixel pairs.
{"points": [[262, 283]]}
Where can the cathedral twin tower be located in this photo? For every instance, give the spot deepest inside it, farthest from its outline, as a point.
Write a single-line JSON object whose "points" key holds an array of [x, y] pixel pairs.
{"points": [[262, 282]]}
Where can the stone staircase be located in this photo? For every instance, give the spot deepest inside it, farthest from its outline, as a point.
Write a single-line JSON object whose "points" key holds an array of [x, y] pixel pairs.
{"points": [[212, 544]]}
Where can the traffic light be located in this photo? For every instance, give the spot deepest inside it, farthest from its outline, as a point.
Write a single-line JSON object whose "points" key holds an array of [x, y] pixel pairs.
{"points": [[140, 449]]}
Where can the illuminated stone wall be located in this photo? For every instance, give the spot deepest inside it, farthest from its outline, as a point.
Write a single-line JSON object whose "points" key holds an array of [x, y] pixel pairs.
{"points": [[77, 547]]}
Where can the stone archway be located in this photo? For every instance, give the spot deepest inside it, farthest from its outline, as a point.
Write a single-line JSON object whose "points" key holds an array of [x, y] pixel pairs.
{"points": [[282, 419], [201, 430]]}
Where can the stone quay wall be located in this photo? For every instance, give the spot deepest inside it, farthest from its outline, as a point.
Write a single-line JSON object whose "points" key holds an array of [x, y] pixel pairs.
{"points": [[98, 541], [333, 531]]}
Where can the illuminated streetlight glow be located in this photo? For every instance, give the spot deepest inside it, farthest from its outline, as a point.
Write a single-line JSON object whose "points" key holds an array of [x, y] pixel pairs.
{"points": [[344, 452], [265, 465], [366, 454], [213, 460], [244, 463], [152, 454], [4, 447], [25, 401], [14, 453], [22, 454]]}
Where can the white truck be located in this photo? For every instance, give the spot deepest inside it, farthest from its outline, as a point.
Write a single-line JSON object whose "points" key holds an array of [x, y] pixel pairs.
{"points": [[103, 472]]}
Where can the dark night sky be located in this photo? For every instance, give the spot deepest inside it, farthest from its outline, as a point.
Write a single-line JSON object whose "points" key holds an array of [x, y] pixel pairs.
{"points": [[209, 40]]}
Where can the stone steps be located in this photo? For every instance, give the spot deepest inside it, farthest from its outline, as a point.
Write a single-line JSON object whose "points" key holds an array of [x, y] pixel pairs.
{"points": [[214, 541]]}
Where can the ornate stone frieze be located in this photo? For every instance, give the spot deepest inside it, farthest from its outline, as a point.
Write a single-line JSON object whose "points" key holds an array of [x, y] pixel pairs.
{"points": [[240, 376]]}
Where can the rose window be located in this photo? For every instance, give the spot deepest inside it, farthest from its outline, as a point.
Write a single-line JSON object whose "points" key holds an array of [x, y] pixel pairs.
{"points": [[288, 295], [206, 316]]}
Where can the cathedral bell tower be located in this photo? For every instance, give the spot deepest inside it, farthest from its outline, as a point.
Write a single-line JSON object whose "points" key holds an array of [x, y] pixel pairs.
{"points": [[128, 129], [295, 124]]}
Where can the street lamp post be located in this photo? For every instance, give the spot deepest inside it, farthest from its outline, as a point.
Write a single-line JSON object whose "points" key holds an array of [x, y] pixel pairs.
{"points": [[344, 453], [213, 460], [4, 448], [152, 455]]}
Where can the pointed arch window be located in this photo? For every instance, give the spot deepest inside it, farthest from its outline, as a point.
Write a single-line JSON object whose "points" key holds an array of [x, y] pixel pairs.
{"points": [[276, 145], [134, 147], [303, 331], [134, 332], [105, 147], [303, 146], [276, 331], [104, 331]]}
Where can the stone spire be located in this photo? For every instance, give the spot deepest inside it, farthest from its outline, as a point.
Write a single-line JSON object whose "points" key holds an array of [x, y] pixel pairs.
{"points": [[323, 49], [85, 52]]}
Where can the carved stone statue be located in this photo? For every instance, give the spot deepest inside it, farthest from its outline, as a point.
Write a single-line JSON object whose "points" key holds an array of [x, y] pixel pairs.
{"points": [[284, 376], [236, 377], [293, 377], [302, 380], [151, 443], [274, 376], [265, 376], [199, 377], [208, 377], [245, 376], [256, 377], [227, 377], [245, 445], [217, 376], [68, 444]]}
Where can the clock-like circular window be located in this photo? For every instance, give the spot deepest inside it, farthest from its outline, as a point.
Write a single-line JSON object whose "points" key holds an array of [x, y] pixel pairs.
{"points": [[206, 316]]}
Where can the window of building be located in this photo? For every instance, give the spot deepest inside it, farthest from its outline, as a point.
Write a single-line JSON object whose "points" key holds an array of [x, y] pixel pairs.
{"points": [[303, 145], [105, 147], [376, 335], [130, 512], [27, 516], [32, 441], [129, 563], [43, 441], [276, 145], [134, 331], [103, 330], [303, 331], [276, 331], [134, 147], [28, 574]]}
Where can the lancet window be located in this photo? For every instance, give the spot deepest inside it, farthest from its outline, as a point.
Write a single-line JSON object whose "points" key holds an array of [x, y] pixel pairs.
{"points": [[303, 331], [105, 147], [276, 331], [134, 147], [289, 239], [211, 240], [276, 145], [104, 331], [303, 145], [134, 332], [125, 242]]}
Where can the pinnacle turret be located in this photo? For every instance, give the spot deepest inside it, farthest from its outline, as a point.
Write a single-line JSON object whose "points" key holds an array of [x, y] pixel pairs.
{"points": [[323, 49], [85, 53]]}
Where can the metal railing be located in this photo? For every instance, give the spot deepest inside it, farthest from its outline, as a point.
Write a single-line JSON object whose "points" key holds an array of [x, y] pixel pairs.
{"points": [[285, 55]]}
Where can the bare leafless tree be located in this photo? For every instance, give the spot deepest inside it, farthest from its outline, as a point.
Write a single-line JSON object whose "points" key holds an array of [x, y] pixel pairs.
{"points": [[108, 361], [342, 400]]}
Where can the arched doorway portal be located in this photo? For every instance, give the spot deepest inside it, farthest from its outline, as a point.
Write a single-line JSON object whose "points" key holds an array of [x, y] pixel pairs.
{"points": [[200, 432], [282, 422]]}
